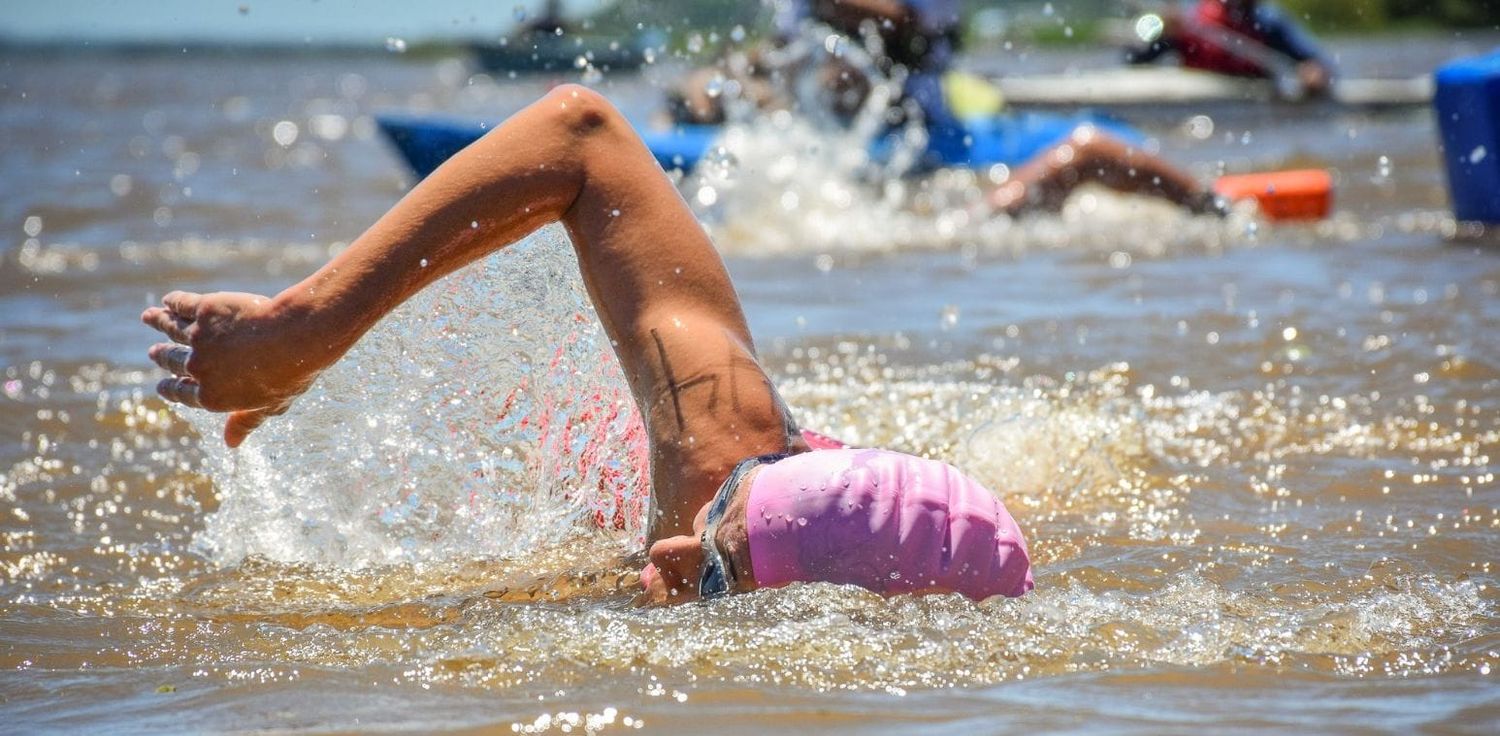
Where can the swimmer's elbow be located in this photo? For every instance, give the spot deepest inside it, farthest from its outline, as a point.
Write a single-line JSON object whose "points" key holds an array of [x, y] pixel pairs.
{"points": [[581, 110]]}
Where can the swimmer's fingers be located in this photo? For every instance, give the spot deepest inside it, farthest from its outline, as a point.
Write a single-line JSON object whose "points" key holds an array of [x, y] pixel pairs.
{"points": [[242, 423], [166, 322], [183, 303], [178, 311], [171, 357], [183, 391]]}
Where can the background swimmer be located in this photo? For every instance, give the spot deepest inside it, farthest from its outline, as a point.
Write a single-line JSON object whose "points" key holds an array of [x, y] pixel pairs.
{"points": [[921, 37], [678, 329]]}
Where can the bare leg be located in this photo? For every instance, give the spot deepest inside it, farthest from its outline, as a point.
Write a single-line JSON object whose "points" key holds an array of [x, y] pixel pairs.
{"points": [[659, 286], [1091, 156]]}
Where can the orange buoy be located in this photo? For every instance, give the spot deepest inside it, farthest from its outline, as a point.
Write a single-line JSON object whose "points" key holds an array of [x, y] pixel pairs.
{"points": [[1303, 194]]}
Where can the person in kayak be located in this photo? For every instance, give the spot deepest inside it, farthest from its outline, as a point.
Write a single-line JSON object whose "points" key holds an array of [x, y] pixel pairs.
{"points": [[739, 498], [1242, 38]]}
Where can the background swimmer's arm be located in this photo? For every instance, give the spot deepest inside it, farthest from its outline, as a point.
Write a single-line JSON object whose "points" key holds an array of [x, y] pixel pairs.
{"points": [[571, 158], [1314, 70]]}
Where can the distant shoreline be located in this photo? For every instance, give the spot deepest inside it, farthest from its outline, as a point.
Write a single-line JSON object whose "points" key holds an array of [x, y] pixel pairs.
{"points": [[445, 46], [198, 47]]}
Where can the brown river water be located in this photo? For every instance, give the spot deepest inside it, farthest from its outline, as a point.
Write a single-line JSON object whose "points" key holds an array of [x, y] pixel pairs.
{"points": [[1256, 463]]}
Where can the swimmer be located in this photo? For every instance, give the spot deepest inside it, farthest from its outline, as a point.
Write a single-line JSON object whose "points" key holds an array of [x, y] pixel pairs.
{"points": [[1092, 156], [922, 36], [739, 498]]}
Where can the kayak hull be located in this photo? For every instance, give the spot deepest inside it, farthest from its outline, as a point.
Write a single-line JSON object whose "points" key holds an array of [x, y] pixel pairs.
{"points": [[425, 142]]}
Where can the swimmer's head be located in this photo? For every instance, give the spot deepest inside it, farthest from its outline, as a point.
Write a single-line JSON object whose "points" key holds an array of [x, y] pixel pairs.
{"points": [[714, 560], [884, 521]]}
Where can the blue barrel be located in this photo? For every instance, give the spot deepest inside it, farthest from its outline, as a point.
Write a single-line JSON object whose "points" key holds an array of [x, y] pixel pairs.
{"points": [[1468, 111]]}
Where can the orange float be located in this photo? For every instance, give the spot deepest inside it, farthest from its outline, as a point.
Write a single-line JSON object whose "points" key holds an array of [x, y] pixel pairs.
{"points": [[1302, 194]]}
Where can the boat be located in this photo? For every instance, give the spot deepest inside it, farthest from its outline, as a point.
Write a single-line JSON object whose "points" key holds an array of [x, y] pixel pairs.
{"points": [[426, 141], [533, 52], [549, 43], [1172, 89], [1157, 87]]}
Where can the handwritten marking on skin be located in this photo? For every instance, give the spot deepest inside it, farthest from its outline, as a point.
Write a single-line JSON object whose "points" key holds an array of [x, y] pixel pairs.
{"points": [[676, 387]]}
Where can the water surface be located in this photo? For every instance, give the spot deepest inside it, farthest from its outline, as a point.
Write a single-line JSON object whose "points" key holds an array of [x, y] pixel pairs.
{"points": [[1256, 463]]}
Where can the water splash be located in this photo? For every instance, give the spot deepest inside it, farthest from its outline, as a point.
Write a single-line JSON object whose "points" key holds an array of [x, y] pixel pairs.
{"points": [[485, 416], [805, 181]]}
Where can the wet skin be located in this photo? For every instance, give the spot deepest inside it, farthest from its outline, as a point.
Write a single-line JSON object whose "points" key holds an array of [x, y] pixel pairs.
{"points": [[1089, 155], [659, 286], [677, 562]]}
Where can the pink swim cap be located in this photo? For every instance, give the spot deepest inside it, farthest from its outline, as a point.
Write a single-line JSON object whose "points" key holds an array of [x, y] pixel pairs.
{"points": [[885, 521]]}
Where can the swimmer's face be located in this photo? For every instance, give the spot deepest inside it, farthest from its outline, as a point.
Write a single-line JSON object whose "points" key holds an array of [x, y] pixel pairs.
{"points": [[677, 562]]}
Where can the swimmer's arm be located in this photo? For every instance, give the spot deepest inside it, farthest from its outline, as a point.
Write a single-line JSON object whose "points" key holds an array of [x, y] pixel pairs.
{"points": [[252, 355], [569, 157], [1286, 36]]}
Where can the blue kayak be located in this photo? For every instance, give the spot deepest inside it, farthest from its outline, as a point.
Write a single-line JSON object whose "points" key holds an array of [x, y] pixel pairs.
{"points": [[427, 141]]}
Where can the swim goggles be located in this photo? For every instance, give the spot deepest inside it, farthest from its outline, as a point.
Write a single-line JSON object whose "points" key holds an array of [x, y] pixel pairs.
{"points": [[717, 579]]}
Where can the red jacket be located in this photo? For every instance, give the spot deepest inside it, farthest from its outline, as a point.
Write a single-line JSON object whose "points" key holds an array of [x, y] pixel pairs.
{"points": [[1264, 24]]}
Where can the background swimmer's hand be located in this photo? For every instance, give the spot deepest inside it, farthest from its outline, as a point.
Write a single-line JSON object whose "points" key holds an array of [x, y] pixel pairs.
{"points": [[230, 352]]}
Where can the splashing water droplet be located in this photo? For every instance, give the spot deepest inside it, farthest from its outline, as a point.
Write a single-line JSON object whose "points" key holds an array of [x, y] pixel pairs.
{"points": [[284, 133], [395, 45], [720, 159], [949, 317], [1200, 127]]}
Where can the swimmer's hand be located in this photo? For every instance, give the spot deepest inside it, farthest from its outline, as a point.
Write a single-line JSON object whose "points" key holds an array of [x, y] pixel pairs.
{"points": [[231, 352]]}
